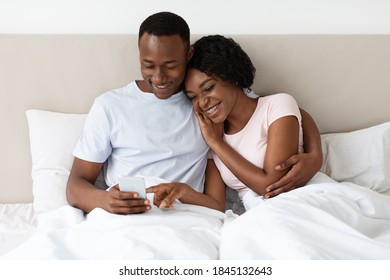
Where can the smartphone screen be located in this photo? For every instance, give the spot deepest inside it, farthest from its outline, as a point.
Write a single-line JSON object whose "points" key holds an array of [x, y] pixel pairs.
{"points": [[132, 184]]}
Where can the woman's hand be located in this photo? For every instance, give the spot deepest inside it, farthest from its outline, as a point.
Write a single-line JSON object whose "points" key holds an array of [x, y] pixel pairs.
{"points": [[166, 194], [303, 167], [212, 132]]}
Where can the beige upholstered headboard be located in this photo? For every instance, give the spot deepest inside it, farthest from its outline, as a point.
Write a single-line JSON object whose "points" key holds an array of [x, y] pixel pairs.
{"points": [[343, 81]]}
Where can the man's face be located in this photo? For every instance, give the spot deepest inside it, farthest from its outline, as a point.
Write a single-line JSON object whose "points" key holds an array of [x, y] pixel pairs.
{"points": [[163, 64]]}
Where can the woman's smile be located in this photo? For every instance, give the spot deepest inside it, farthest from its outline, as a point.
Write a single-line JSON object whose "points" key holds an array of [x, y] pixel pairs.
{"points": [[212, 110]]}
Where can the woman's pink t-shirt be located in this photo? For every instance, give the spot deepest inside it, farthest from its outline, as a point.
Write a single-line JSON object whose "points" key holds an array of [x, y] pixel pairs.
{"points": [[251, 141]]}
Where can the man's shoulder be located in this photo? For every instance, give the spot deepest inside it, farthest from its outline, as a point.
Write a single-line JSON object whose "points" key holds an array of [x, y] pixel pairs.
{"points": [[115, 93]]}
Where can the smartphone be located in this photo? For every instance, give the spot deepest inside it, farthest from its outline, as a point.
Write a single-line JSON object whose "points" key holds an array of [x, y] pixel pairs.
{"points": [[132, 184]]}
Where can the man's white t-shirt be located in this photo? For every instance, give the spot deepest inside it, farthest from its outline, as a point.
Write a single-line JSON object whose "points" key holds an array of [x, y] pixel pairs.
{"points": [[141, 135]]}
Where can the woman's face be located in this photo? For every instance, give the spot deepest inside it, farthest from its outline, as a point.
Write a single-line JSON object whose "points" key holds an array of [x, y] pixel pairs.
{"points": [[210, 96]]}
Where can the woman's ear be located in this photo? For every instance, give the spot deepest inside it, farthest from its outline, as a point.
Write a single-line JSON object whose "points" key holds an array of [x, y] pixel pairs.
{"points": [[190, 53]]}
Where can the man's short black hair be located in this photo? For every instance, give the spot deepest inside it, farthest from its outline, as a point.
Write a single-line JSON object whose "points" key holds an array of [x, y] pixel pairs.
{"points": [[165, 24]]}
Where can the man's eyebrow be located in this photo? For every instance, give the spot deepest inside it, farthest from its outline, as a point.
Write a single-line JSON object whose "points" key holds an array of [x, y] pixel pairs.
{"points": [[146, 60], [170, 61], [165, 62]]}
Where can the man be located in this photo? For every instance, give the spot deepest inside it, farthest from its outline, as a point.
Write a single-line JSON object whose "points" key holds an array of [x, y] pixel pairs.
{"points": [[148, 128]]}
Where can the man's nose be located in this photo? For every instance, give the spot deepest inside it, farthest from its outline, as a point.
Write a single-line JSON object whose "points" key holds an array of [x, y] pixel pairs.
{"points": [[159, 74]]}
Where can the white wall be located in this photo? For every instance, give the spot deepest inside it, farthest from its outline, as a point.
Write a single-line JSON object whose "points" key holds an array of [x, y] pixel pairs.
{"points": [[203, 16]]}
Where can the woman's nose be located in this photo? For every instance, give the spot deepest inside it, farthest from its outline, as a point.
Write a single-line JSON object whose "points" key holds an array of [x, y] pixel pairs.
{"points": [[203, 100]]}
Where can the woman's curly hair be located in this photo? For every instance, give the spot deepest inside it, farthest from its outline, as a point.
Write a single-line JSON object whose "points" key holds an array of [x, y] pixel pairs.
{"points": [[223, 58]]}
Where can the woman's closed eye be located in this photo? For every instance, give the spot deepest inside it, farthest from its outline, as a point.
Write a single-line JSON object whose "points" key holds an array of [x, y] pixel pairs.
{"points": [[192, 96], [205, 91], [209, 88]]}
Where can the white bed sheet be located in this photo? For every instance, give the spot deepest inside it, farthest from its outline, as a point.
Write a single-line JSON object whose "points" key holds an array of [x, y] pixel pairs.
{"points": [[324, 220], [186, 232], [17, 224]]}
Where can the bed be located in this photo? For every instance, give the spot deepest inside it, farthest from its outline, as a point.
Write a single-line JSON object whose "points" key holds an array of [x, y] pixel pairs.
{"points": [[48, 83]]}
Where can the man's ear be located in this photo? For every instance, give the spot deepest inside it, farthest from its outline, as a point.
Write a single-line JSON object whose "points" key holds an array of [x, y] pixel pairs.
{"points": [[190, 53]]}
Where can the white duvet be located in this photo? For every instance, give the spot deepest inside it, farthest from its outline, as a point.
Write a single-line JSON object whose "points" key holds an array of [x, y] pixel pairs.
{"points": [[17, 224], [187, 232], [324, 220]]}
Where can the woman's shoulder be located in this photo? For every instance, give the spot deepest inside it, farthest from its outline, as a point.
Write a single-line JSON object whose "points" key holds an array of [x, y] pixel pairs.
{"points": [[278, 96], [278, 102]]}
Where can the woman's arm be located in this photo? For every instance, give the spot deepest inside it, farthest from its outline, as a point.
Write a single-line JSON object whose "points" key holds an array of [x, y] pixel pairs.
{"points": [[282, 142], [303, 166]]}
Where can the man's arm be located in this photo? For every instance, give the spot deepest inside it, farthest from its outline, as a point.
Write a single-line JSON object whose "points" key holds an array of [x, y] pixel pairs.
{"points": [[311, 138], [214, 194], [303, 166], [82, 193]]}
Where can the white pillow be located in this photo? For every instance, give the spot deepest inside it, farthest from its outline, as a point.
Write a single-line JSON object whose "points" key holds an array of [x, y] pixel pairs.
{"points": [[361, 157], [53, 137]]}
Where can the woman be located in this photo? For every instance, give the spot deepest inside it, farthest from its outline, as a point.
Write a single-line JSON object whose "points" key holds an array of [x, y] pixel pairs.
{"points": [[248, 136]]}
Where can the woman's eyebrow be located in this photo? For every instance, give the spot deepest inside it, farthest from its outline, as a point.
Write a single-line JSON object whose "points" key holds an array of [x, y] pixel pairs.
{"points": [[204, 82]]}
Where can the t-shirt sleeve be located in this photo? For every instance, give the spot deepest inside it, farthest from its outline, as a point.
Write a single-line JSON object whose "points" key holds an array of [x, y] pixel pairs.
{"points": [[283, 105], [94, 144]]}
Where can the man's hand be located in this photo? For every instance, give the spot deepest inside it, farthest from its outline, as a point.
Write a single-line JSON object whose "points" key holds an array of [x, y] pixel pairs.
{"points": [[303, 167], [166, 194], [118, 202]]}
